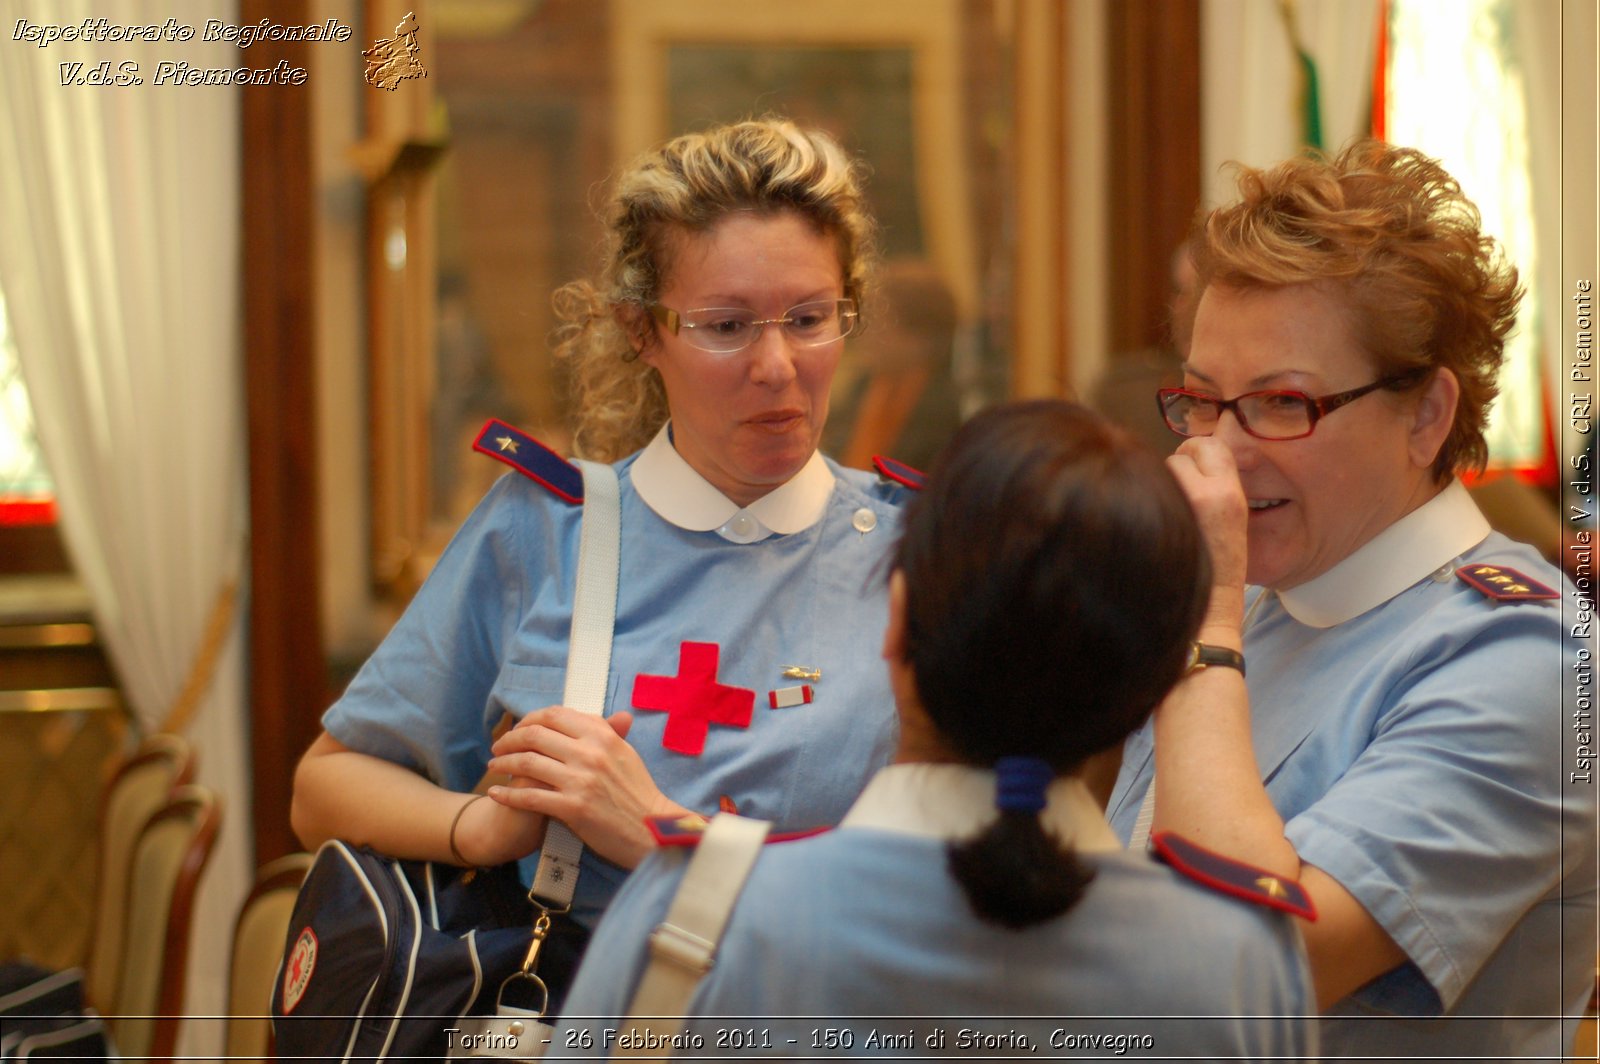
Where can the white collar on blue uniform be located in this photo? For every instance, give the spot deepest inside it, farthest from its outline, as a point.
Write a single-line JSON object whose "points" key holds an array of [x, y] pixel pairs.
{"points": [[944, 801], [671, 487], [1422, 543]]}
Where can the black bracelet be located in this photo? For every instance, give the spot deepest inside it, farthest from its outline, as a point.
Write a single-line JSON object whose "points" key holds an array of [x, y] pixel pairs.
{"points": [[455, 851]]}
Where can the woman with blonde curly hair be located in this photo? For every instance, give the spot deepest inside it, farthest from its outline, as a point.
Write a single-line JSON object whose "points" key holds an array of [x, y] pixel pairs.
{"points": [[1397, 743], [742, 669], [692, 184]]}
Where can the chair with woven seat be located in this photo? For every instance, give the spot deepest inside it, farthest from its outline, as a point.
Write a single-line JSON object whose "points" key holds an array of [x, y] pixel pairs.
{"points": [[140, 786], [258, 939], [163, 873]]}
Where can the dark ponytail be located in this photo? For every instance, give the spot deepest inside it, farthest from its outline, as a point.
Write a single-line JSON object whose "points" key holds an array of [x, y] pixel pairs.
{"points": [[1015, 873], [1055, 577]]}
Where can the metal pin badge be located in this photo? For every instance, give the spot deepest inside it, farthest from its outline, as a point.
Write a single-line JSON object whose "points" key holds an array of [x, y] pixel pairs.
{"points": [[800, 672]]}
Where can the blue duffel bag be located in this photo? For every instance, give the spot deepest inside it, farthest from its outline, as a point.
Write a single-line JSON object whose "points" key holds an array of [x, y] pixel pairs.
{"points": [[384, 958]]}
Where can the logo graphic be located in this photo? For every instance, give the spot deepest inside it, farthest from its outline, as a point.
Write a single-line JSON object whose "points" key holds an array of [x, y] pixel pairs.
{"points": [[297, 972], [389, 62]]}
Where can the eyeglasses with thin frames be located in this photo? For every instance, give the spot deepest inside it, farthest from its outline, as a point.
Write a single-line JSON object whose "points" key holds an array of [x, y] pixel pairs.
{"points": [[729, 330], [1266, 415]]}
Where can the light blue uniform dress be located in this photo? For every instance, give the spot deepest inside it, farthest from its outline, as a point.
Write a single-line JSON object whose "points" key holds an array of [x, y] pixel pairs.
{"points": [[1413, 734], [849, 941], [797, 578]]}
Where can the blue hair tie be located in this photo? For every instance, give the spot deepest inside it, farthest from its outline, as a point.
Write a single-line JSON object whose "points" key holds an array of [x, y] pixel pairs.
{"points": [[1020, 783]]}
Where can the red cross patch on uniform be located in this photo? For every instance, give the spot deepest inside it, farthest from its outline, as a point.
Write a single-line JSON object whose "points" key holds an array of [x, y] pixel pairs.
{"points": [[1504, 584], [693, 700], [1232, 877]]}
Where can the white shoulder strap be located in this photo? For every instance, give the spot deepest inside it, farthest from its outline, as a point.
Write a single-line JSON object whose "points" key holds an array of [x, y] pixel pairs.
{"points": [[682, 947], [594, 614]]}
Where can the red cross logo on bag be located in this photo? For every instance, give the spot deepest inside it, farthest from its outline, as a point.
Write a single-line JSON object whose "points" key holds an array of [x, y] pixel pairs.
{"points": [[297, 972], [693, 700]]}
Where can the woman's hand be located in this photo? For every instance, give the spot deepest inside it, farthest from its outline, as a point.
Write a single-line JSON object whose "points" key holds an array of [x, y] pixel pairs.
{"points": [[1205, 469], [578, 768]]}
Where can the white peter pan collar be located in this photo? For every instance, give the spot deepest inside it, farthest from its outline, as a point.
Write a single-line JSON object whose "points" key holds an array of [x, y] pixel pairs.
{"points": [[945, 801], [1423, 542], [677, 493]]}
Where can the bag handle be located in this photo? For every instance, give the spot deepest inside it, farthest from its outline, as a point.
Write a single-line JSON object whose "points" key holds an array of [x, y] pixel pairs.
{"points": [[683, 946]]}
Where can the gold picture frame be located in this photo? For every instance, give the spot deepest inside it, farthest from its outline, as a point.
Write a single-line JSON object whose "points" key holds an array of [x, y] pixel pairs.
{"points": [[647, 33]]}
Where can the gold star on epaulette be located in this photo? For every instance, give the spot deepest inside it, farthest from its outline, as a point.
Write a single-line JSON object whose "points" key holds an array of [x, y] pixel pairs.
{"points": [[1271, 887], [1505, 584], [507, 443], [1216, 872]]}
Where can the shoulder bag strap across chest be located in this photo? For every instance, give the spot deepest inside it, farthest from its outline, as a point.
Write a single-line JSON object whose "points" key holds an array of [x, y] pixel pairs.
{"points": [[594, 614]]}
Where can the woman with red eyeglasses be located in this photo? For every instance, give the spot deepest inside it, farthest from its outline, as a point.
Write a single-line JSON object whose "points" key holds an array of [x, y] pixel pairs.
{"points": [[1399, 741]]}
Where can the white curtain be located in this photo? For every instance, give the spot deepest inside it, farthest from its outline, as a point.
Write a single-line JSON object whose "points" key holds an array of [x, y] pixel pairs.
{"points": [[1462, 78], [1537, 32], [119, 259], [1250, 81], [1440, 103]]}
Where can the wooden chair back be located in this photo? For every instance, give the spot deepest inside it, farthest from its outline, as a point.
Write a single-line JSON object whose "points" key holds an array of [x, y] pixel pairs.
{"points": [[171, 852], [139, 787], [258, 938]]}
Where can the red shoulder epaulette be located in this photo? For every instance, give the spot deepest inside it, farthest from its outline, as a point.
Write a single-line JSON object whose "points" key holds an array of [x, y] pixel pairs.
{"points": [[530, 458], [688, 830], [899, 472], [1232, 877], [1504, 584]]}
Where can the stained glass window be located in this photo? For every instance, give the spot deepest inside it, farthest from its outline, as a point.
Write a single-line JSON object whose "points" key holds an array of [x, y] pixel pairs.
{"points": [[25, 486]]}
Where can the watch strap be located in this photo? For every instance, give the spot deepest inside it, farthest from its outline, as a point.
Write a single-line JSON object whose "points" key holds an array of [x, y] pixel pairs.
{"points": [[1206, 655]]}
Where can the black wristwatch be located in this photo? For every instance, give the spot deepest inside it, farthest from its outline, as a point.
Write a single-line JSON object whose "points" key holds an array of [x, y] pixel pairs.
{"points": [[1205, 655]]}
